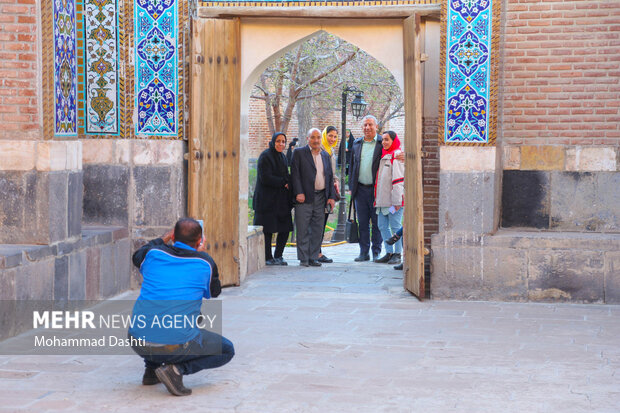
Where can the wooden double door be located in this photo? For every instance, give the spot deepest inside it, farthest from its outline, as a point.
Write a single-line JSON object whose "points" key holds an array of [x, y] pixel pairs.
{"points": [[214, 145]]}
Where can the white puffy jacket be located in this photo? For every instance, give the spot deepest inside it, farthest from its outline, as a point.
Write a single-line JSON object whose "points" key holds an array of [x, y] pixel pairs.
{"points": [[390, 184]]}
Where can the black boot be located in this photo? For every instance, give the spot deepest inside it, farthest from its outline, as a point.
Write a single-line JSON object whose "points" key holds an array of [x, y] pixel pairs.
{"points": [[387, 257]]}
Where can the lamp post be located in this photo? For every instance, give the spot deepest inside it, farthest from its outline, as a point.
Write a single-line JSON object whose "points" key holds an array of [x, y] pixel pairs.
{"points": [[357, 107]]}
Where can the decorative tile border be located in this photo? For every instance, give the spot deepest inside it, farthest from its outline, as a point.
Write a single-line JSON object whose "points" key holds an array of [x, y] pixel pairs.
{"points": [[310, 3], [156, 67], [101, 54], [65, 68], [468, 95]]}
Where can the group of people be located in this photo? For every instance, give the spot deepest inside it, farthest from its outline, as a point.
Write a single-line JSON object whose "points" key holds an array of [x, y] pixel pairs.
{"points": [[178, 273], [306, 179]]}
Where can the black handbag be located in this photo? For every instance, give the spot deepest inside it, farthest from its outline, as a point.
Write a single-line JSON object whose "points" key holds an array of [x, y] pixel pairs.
{"points": [[351, 227]]}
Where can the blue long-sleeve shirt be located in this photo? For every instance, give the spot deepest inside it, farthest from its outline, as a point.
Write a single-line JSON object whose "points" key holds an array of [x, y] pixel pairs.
{"points": [[176, 279]]}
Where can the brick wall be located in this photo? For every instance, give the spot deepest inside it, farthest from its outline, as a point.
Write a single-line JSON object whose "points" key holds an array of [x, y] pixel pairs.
{"points": [[561, 73], [19, 105], [430, 177]]}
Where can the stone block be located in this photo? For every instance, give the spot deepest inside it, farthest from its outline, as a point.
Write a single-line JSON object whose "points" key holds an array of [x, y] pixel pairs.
{"points": [[7, 284], [591, 158], [456, 273], [58, 205], [98, 151], [121, 259], [107, 271], [24, 208], [93, 272], [467, 201], [512, 158], [504, 274], [74, 155], [12, 203], [566, 275], [39, 252], [17, 155], [612, 277], [255, 250], [542, 158], [10, 255], [525, 199], [467, 158], [61, 279], [106, 194], [36, 281], [585, 201], [52, 156], [154, 201], [77, 275], [74, 204], [157, 152], [122, 151]]}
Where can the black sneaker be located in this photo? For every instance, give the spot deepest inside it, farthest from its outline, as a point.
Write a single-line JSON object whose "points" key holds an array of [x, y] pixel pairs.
{"points": [[280, 261], [362, 258], [172, 379], [324, 259], [395, 259], [399, 266], [271, 261], [386, 258], [149, 378]]}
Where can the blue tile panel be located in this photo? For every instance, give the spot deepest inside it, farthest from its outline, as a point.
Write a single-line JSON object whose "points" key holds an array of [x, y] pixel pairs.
{"points": [[156, 58], [468, 70], [65, 68], [101, 66]]}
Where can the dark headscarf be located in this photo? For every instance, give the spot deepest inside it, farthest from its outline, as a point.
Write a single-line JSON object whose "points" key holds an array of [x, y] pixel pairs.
{"points": [[279, 157]]}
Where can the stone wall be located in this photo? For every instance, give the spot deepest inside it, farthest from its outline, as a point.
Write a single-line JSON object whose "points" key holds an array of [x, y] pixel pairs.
{"points": [[92, 267], [138, 184]]}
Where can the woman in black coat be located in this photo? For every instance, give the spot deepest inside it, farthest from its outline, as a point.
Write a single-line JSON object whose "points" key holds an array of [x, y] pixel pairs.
{"points": [[272, 200]]}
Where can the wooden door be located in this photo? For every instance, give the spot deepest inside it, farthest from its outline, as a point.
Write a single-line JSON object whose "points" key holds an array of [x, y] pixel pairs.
{"points": [[413, 269], [213, 184]]}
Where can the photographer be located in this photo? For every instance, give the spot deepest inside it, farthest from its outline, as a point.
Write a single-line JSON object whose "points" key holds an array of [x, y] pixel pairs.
{"points": [[176, 279]]}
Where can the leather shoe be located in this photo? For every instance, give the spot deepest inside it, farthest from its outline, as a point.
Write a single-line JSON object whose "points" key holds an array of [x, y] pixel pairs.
{"points": [[387, 257], [271, 261], [395, 259], [172, 379], [392, 240], [314, 263], [149, 378], [361, 258], [304, 264], [399, 266], [323, 258]]}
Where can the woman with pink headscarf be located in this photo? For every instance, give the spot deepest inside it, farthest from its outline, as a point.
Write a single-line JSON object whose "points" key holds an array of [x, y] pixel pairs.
{"points": [[389, 196]]}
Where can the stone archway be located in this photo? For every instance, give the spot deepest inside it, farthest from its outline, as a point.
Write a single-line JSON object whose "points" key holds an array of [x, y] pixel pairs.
{"points": [[401, 55]]}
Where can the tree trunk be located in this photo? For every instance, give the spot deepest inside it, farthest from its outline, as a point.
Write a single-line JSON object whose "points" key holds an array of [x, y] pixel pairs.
{"points": [[304, 119]]}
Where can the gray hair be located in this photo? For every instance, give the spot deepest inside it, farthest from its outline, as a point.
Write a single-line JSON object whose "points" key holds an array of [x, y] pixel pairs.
{"points": [[312, 130], [370, 117]]}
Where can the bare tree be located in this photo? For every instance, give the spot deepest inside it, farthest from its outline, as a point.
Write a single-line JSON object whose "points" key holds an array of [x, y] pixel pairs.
{"points": [[311, 78]]}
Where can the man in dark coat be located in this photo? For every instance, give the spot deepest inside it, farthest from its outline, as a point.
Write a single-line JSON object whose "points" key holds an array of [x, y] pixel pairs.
{"points": [[365, 158], [313, 187]]}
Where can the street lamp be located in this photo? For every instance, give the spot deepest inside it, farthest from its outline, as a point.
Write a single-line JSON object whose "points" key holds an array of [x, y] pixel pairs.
{"points": [[357, 107]]}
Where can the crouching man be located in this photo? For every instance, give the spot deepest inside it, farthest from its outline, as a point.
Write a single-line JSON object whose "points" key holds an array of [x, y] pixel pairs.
{"points": [[176, 279]]}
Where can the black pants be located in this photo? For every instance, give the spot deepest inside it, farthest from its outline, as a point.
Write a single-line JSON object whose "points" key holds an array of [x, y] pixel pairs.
{"points": [[280, 244]]}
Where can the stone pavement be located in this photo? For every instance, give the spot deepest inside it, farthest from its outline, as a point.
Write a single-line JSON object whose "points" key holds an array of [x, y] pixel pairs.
{"points": [[347, 338]]}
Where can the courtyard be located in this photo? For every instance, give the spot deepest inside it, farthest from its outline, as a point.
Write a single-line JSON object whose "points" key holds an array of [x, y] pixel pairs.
{"points": [[347, 338]]}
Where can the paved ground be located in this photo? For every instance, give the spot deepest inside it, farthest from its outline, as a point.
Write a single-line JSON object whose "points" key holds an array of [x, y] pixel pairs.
{"points": [[347, 338]]}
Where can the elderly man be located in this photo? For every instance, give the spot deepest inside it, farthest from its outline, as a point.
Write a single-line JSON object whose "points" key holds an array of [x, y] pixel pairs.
{"points": [[366, 154], [176, 279], [313, 187]]}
